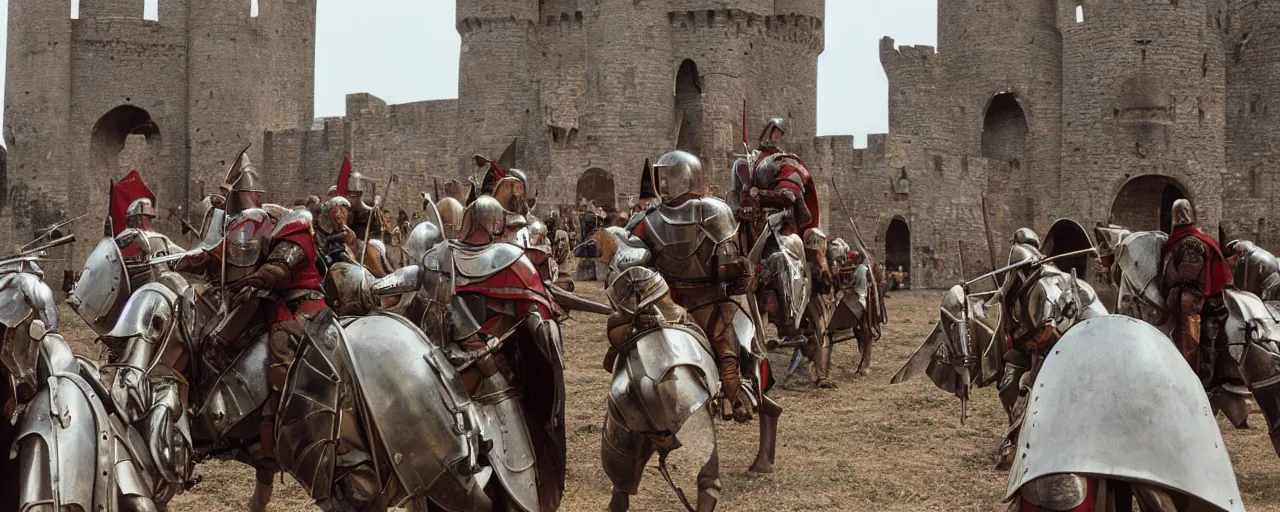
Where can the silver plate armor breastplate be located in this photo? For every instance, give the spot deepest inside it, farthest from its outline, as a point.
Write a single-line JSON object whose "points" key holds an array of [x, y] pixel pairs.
{"points": [[684, 238]]}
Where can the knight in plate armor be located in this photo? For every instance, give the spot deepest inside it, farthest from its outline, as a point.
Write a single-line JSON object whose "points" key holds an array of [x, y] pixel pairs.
{"points": [[691, 240], [484, 298], [264, 264], [1256, 270], [1093, 447], [1194, 274], [771, 179], [139, 243], [364, 220], [774, 196], [1040, 303]]}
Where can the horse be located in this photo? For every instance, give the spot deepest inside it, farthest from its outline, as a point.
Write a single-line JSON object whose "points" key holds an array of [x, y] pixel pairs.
{"points": [[1249, 338], [664, 382], [967, 346], [372, 414]]}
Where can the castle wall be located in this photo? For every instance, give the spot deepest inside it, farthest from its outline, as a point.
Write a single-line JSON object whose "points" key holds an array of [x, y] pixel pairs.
{"points": [[939, 202], [1252, 118], [145, 64], [37, 116]]}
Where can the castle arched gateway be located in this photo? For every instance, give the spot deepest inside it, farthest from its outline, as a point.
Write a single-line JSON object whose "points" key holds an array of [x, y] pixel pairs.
{"points": [[596, 185], [1145, 203], [689, 108], [115, 130], [1066, 236], [1004, 130], [897, 245]]}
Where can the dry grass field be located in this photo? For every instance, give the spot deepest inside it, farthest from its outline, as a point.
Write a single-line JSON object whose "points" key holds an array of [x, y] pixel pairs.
{"points": [[864, 446]]}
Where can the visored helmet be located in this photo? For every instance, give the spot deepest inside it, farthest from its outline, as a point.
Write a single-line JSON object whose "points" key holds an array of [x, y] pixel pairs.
{"points": [[1026, 236], [483, 222], [674, 174], [635, 288], [139, 213], [246, 186], [774, 129]]}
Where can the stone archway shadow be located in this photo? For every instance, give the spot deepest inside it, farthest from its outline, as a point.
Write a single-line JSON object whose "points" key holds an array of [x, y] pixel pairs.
{"points": [[1145, 203]]}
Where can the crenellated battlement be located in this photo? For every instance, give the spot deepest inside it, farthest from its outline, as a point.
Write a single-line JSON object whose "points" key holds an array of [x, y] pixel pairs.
{"points": [[564, 20], [743, 21], [896, 58], [806, 31], [470, 25]]}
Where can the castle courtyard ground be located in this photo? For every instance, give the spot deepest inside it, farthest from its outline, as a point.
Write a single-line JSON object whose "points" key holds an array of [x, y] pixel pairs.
{"points": [[866, 446]]}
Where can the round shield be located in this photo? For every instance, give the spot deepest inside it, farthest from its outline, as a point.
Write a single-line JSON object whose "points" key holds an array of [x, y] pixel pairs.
{"points": [[103, 287], [1115, 399]]}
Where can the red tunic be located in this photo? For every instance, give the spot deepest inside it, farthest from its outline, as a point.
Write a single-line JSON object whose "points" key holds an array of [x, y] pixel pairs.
{"points": [[305, 278], [808, 193], [1217, 272]]}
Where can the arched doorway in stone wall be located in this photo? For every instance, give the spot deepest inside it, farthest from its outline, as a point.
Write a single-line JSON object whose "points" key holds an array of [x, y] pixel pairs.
{"points": [[689, 108], [1004, 129], [1066, 236], [123, 138], [897, 245], [596, 185], [1145, 203]]}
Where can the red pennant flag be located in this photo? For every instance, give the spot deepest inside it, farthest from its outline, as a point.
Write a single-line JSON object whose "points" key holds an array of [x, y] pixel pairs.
{"points": [[123, 194], [344, 176]]}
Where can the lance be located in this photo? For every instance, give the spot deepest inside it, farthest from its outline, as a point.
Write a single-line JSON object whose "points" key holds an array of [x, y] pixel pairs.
{"points": [[50, 231], [39, 249], [963, 331], [1030, 262], [364, 249], [991, 245]]}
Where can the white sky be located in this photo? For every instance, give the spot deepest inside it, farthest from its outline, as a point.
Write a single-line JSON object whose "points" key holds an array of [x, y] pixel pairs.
{"points": [[353, 38]]}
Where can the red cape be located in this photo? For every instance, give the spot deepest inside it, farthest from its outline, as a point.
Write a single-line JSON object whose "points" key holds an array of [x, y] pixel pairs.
{"points": [[1217, 271], [123, 193]]}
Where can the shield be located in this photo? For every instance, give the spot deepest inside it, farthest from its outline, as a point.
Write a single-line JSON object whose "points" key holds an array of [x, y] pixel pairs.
{"points": [[1115, 399], [791, 276], [103, 287]]}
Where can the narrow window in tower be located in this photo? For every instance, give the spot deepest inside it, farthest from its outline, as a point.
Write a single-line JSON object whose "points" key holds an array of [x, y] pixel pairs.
{"points": [[151, 10], [253, 8], [1079, 14], [75, 9]]}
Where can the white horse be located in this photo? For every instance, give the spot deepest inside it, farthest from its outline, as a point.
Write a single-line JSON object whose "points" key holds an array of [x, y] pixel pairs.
{"points": [[1250, 335]]}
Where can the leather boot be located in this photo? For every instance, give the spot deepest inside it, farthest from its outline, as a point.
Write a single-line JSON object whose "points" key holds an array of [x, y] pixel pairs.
{"points": [[823, 363], [1188, 338], [770, 411]]}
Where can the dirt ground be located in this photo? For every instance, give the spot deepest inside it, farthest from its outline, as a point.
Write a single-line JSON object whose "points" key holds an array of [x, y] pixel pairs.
{"points": [[864, 446]]}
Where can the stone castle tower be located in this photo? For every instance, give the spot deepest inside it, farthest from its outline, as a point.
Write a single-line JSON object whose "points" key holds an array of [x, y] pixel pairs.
{"points": [[1065, 113], [582, 92], [88, 99]]}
